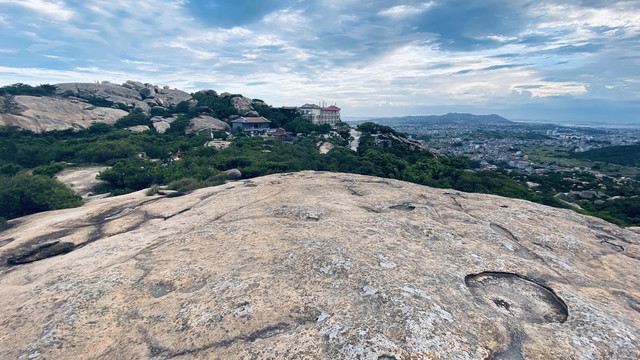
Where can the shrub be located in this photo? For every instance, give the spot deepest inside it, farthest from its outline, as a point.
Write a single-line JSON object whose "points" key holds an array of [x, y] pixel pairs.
{"points": [[185, 184], [153, 190], [49, 170], [25, 194]]}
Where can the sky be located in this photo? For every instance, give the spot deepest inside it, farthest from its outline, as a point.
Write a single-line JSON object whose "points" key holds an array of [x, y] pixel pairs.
{"points": [[559, 60]]}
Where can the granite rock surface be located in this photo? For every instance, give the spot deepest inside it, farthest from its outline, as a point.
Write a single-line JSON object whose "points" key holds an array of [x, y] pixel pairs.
{"points": [[49, 113], [318, 266]]}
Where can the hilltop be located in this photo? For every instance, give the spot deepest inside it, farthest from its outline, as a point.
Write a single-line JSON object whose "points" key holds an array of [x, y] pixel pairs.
{"points": [[318, 265], [79, 105]]}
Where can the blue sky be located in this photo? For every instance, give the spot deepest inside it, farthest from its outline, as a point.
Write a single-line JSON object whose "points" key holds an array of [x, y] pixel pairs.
{"points": [[559, 60]]}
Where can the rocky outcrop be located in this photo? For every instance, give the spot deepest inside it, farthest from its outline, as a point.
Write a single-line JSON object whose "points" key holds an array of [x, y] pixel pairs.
{"points": [[134, 94], [242, 104], [161, 124], [48, 113], [82, 180], [138, 128], [325, 147], [320, 265], [206, 123]]}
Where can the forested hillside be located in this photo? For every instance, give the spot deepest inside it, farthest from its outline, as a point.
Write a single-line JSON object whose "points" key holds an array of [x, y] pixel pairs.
{"points": [[182, 161]]}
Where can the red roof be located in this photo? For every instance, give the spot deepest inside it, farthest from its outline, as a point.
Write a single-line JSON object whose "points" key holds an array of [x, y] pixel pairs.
{"points": [[331, 108], [251, 120]]}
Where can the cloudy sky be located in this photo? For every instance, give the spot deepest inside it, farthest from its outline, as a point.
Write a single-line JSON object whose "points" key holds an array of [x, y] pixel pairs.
{"points": [[559, 60]]}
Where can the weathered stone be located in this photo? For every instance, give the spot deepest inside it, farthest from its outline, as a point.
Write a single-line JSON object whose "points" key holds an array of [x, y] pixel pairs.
{"points": [[131, 93], [206, 123], [325, 147], [147, 92], [138, 128], [244, 105], [47, 113], [39, 252], [162, 124], [82, 180], [233, 174], [321, 265]]}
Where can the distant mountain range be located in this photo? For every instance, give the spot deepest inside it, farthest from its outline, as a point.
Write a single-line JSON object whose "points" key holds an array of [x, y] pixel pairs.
{"points": [[450, 118]]}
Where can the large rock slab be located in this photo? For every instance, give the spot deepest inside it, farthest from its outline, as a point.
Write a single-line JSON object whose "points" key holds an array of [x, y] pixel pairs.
{"points": [[320, 265], [49, 113], [206, 123], [82, 180]]}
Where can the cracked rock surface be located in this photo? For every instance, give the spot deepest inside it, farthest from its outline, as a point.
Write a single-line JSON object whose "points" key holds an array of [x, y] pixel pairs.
{"points": [[319, 265]]}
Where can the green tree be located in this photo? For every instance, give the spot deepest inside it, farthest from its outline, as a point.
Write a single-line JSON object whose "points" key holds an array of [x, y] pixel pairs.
{"points": [[24, 194]]}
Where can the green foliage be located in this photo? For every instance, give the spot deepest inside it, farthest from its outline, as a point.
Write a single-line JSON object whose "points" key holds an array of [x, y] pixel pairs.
{"points": [[179, 125], [132, 174], [132, 119], [96, 101], [24, 89], [24, 194], [221, 107], [373, 128], [200, 166], [627, 155], [160, 111], [9, 169], [301, 125], [49, 170], [182, 185], [153, 190]]}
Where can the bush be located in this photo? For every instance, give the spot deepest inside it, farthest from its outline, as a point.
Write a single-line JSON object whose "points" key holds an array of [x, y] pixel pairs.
{"points": [[49, 170], [9, 169], [96, 101], [153, 190], [185, 184], [132, 119], [25, 194]]}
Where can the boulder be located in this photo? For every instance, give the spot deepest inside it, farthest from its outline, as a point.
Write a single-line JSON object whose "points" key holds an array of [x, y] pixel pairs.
{"points": [[131, 93], [162, 124], [48, 113], [320, 266], [233, 174], [244, 106], [206, 123], [138, 128]]}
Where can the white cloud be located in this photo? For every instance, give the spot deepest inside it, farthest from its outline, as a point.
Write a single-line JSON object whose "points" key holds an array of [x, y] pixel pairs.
{"points": [[55, 10], [542, 89], [401, 11]]}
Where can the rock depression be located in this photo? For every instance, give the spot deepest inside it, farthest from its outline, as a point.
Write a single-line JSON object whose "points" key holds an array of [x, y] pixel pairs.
{"points": [[318, 265]]}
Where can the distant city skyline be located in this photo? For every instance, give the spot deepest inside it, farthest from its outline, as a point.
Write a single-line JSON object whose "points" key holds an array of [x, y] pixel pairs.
{"points": [[575, 61]]}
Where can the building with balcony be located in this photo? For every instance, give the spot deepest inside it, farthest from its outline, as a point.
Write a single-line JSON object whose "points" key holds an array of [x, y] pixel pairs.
{"points": [[320, 115]]}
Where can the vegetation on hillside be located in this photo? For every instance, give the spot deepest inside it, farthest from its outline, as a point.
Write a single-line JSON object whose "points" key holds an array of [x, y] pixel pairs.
{"points": [[627, 155], [29, 160], [24, 89]]}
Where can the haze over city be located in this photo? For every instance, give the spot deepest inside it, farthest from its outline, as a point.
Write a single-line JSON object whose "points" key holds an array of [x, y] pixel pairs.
{"points": [[563, 61]]}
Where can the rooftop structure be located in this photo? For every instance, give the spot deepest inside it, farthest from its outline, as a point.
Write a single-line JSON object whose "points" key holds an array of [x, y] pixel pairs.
{"points": [[320, 115]]}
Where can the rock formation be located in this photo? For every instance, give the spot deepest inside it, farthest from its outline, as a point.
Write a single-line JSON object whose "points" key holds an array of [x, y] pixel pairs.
{"points": [[82, 180], [132, 93], [318, 265], [244, 105], [161, 124], [205, 123], [47, 113]]}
